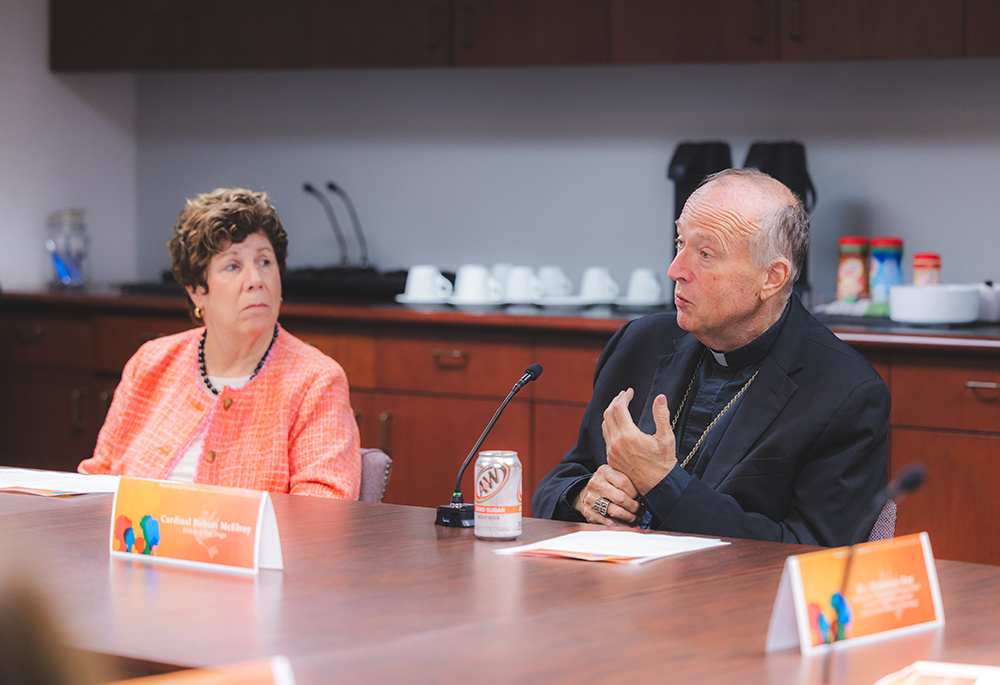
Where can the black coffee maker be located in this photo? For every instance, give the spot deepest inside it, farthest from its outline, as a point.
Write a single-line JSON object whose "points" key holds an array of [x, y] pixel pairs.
{"points": [[785, 161], [691, 163]]}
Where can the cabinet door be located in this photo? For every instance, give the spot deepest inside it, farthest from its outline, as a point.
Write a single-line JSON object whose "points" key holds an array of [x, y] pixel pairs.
{"points": [[97, 34], [958, 505], [239, 34], [48, 418], [982, 28], [937, 391], [870, 29], [556, 430], [428, 438], [662, 31], [530, 32], [378, 33]]}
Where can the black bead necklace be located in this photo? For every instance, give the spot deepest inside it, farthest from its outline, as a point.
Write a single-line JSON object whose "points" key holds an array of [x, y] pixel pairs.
{"points": [[204, 371]]}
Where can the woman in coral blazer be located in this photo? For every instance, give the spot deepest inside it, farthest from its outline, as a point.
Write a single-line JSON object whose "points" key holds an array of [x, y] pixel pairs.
{"points": [[238, 402]]}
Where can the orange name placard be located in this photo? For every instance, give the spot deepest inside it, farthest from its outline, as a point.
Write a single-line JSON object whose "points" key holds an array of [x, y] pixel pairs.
{"points": [[890, 588], [224, 529]]}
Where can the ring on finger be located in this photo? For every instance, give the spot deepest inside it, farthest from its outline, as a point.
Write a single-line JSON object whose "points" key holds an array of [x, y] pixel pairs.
{"points": [[601, 505]]}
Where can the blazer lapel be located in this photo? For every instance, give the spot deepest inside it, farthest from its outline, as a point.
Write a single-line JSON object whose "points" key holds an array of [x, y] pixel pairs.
{"points": [[671, 377], [764, 399]]}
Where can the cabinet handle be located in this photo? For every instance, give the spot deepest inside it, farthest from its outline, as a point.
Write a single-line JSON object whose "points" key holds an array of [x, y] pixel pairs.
{"points": [[466, 12], [756, 25], [75, 411], [450, 359], [795, 20], [104, 404], [384, 421], [29, 335], [982, 385]]}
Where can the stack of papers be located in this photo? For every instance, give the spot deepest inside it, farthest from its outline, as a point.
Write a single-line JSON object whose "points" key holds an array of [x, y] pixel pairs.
{"points": [[54, 483], [621, 547], [938, 673]]}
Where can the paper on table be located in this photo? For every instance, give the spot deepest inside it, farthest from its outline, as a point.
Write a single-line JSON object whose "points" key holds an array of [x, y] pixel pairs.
{"points": [[55, 482], [936, 672], [616, 546]]}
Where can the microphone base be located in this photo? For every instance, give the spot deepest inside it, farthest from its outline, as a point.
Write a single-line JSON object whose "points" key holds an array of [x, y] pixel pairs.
{"points": [[456, 515]]}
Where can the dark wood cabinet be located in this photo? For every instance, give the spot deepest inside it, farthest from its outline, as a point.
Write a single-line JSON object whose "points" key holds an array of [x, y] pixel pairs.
{"points": [[814, 30], [982, 28], [663, 31], [530, 32], [176, 34], [379, 33]]}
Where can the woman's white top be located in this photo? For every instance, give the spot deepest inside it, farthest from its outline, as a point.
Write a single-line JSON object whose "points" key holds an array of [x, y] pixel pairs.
{"points": [[184, 470]]}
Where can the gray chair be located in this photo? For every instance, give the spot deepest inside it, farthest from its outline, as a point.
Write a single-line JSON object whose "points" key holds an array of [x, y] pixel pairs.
{"points": [[375, 469], [885, 524]]}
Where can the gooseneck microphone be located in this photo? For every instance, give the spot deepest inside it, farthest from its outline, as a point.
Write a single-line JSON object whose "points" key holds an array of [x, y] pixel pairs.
{"points": [[362, 243], [337, 233], [908, 480], [458, 514]]}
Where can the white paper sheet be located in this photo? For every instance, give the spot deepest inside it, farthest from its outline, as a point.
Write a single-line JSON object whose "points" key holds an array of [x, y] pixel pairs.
{"points": [[56, 481], [615, 546]]}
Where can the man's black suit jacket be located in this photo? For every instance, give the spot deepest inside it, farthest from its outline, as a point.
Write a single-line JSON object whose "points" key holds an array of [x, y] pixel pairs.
{"points": [[801, 460]]}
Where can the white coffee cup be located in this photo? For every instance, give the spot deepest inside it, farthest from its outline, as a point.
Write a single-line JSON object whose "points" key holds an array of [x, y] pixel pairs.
{"points": [[644, 287], [554, 280], [522, 285], [424, 283], [598, 285], [499, 271], [475, 285]]}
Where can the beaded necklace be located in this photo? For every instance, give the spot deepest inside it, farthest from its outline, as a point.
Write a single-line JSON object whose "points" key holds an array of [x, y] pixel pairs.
{"points": [[204, 371]]}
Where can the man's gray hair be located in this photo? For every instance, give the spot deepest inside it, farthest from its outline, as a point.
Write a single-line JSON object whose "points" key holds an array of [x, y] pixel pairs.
{"points": [[782, 229]]}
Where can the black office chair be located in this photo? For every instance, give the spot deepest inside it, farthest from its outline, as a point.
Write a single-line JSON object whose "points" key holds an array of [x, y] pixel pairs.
{"points": [[376, 466], [885, 524]]}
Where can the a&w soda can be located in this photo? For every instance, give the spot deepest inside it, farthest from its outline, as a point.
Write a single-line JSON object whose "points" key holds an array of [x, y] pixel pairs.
{"points": [[498, 495]]}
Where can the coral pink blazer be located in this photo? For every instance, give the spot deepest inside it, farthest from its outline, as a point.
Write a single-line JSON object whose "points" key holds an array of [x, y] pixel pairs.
{"points": [[290, 429]]}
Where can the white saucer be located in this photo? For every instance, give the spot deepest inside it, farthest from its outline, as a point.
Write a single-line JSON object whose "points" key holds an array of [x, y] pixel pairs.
{"points": [[462, 302], [567, 301], [403, 299]]}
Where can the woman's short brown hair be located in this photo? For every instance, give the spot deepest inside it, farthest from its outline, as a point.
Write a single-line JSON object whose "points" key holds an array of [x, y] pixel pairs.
{"points": [[211, 221]]}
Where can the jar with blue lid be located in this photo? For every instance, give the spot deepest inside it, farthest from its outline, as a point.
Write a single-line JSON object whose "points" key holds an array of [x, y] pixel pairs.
{"points": [[886, 267]]}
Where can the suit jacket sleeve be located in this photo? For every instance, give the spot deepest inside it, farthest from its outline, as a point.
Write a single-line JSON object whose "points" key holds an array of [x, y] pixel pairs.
{"points": [[554, 494]]}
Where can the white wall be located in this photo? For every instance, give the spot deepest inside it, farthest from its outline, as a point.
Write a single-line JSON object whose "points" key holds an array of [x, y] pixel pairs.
{"points": [[567, 165], [65, 141]]}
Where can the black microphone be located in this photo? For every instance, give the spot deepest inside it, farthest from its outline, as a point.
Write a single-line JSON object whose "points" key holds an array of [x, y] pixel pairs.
{"points": [[362, 243], [337, 233], [458, 514], [908, 480]]}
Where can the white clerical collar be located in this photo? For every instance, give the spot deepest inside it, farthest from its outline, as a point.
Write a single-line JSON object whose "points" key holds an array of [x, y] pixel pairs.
{"points": [[720, 357]]}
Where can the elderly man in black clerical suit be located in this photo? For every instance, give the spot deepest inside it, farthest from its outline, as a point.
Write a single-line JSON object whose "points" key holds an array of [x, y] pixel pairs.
{"points": [[738, 415]]}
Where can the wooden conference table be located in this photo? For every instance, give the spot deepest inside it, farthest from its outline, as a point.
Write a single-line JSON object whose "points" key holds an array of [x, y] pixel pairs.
{"points": [[377, 593]]}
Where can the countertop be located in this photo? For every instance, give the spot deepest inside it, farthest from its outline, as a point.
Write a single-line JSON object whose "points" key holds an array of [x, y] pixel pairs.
{"points": [[863, 331]]}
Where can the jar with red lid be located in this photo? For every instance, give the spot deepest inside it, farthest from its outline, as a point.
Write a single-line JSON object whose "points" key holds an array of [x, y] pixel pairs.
{"points": [[926, 268], [886, 267], [852, 270]]}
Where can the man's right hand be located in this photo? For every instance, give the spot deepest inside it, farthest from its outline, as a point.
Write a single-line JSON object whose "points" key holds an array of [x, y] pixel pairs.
{"points": [[625, 508]]}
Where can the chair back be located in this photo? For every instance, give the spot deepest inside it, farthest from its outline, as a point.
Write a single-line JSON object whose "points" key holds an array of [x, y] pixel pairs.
{"points": [[885, 524], [375, 469]]}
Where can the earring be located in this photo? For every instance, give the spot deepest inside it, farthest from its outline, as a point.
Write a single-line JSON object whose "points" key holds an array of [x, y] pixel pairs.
{"points": [[198, 312]]}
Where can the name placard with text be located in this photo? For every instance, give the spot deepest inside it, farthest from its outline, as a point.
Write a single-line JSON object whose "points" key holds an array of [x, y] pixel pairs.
{"points": [[201, 526], [891, 589]]}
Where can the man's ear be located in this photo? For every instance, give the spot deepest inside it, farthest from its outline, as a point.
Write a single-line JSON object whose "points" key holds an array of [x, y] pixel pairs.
{"points": [[777, 276]]}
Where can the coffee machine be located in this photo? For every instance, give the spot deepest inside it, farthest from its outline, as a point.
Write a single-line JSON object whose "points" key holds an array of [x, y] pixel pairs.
{"points": [[785, 161]]}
